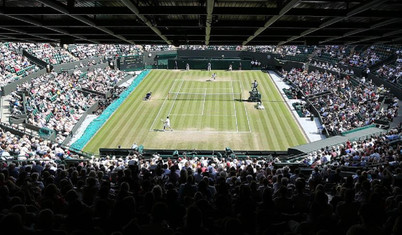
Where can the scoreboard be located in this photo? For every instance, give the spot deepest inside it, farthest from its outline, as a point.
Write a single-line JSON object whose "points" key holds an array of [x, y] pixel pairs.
{"points": [[130, 63]]}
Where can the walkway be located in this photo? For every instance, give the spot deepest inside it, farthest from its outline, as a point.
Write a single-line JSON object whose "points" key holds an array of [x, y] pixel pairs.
{"points": [[5, 108]]}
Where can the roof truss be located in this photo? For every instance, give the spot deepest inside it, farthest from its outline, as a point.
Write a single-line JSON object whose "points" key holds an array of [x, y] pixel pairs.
{"points": [[247, 22]]}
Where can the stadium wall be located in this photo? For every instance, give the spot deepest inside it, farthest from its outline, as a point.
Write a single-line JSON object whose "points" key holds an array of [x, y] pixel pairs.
{"points": [[264, 58], [289, 65], [68, 66], [34, 59], [103, 152], [215, 63], [150, 58]]}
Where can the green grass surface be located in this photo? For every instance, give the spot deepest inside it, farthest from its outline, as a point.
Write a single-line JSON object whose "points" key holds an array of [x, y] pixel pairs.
{"points": [[208, 116]]}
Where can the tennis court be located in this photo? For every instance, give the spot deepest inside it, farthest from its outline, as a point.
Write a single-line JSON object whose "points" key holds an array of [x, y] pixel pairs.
{"points": [[204, 114], [194, 105]]}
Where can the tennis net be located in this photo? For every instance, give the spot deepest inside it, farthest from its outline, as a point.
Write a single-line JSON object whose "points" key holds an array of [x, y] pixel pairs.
{"points": [[204, 96]]}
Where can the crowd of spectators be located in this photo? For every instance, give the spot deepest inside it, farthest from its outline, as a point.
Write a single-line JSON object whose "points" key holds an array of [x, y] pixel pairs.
{"points": [[371, 152], [335, 51], [213, 48], [287, 50], [392, 72], [207, 195], [58, 100], [368, 57], [99, 79], [331, 67], [22, 148], [152, 48], [84, 51], [314, 82], [13, 64], [342, 104], [49, 53], [55, 101]]}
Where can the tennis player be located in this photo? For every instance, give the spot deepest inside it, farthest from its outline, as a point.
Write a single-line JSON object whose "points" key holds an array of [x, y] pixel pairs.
{"points": [[166, 124], [213, 76]]}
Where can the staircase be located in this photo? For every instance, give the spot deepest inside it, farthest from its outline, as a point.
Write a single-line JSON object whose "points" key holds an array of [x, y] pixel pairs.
{"points": [[5, 108], [312, 55]]}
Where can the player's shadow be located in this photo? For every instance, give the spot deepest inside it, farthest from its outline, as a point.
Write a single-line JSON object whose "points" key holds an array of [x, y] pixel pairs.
{"points": [[158, 130]]}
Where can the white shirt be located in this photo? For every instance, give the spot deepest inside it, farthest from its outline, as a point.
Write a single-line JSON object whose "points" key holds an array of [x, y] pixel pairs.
{"points": [[167, 122]]}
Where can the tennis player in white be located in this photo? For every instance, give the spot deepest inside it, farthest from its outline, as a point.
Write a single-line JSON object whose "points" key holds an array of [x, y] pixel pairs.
{"points": [[166, 124]]}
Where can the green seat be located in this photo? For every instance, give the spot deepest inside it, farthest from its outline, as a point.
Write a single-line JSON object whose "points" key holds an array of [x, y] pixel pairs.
{"points": [[53, 98], [48, 117]]}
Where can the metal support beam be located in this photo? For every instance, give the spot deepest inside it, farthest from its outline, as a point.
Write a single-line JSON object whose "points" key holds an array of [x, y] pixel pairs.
{"points": [[377, 37], [351, 13], [135, 10], [44, 38], [210, 9], [63, 10], [273, 19], [353, 32], [198, 10], [39, 24], [11, 38]]}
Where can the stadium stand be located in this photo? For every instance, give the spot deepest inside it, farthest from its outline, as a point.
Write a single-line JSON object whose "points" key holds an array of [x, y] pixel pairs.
{"points": [[13, 65], [54, 101], [343, 103], [50, 54], [306, 193], [133, 193], [392, 71]]}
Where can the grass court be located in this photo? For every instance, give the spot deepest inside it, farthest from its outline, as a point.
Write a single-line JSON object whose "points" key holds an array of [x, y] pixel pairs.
{"points": [[208, 115]]}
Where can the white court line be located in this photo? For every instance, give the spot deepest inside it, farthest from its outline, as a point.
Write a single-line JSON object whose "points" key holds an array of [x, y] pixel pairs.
{"points": [[205, 93], [174, 102], [187, 80], [248, 121], [160, 109], [214, 132], [195, 114], [194, 88], [234, 106], [203, 103]]}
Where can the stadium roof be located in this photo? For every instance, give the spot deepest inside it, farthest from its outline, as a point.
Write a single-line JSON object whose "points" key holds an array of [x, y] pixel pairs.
{"points": [[211, 22]]}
